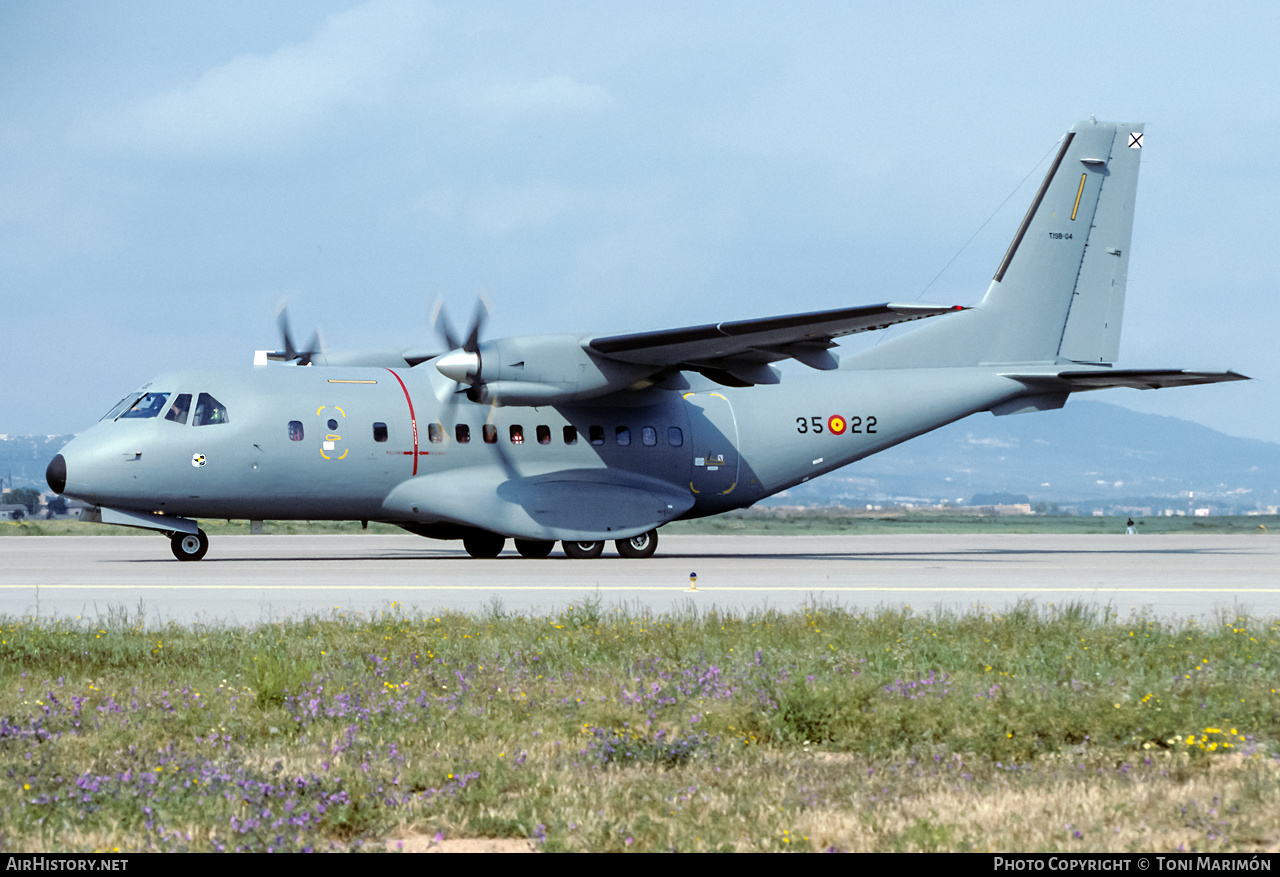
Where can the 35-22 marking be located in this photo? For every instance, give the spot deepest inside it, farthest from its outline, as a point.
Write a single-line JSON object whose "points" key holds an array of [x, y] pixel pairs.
{"points": [[836, 424]]}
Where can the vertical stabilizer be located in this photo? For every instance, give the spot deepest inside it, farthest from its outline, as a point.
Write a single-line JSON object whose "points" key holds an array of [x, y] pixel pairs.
{"points": [[1058, 293], [1092, 333]]}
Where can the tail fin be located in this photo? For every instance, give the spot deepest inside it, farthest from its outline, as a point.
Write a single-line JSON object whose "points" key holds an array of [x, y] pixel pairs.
{"points": [[1058, 294], [1060, 288]]}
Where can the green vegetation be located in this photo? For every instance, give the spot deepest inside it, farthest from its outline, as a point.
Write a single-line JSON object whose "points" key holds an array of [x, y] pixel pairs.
{"points": [[212, 527], [759, 522], [25, 496], [1055, 728], [832, 522]]}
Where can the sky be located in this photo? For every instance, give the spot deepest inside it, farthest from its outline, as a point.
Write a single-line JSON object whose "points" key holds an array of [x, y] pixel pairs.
{"points": [[170, 174]]}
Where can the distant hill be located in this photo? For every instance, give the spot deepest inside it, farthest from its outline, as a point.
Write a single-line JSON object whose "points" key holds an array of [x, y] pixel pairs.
{"points": [[1086, 454], [26, 457]]}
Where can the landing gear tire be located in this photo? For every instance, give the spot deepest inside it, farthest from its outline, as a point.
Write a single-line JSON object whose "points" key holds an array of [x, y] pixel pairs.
{"points": [[531, 548], [638, 547], [484, 544], [583, 550], [189, 546]]}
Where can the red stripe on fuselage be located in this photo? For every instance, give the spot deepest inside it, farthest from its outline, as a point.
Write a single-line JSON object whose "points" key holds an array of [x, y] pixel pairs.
{"points": [[413, 420]]}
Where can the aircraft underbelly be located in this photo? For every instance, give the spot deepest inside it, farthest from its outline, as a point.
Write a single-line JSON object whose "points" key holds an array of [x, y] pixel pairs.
{"points": [[574, 504]]}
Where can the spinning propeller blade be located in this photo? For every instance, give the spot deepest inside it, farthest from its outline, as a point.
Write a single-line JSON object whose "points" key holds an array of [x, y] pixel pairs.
{"points": [[291, 353]]}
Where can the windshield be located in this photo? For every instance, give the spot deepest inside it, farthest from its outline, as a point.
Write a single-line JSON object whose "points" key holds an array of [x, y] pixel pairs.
{"points": [[122, 405], [149, 405]]}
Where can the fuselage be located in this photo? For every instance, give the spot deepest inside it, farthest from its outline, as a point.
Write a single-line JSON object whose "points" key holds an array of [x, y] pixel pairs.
{"points": [[277, 442]]}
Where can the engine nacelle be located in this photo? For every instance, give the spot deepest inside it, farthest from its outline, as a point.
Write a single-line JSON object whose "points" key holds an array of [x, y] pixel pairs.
{"points": [[539, 370]]}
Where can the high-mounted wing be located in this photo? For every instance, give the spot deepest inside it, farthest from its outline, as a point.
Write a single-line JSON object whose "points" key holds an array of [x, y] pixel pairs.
{"points": [[554, 369], [744, 345]]}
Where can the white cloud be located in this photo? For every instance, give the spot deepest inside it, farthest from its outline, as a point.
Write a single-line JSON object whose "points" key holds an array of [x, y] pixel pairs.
{"points": [[992, 442], [255, 102], [502, 211], [549, 95]]}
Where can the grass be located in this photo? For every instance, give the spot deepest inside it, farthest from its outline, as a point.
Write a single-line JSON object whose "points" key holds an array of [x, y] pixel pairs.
{"points": [[833, 522], [757, 522], [1044, 728]]}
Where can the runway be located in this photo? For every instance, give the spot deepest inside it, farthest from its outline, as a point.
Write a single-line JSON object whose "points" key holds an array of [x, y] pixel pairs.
{"points": [[250, 579]]}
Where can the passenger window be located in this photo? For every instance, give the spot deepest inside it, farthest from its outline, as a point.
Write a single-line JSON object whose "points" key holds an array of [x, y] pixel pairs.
{"points": [[597, 435], [544, 435], [623, 435], [181, 407], [379, 432], [649, 436], [517, 434], [675, 437], [462, 433], [570, 435], [435, 433], [295, 430], [149, 405], [490, 434], [209, 411]]}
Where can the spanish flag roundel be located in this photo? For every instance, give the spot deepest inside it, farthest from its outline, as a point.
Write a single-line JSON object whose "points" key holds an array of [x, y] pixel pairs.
{"points": [[836, 424]]}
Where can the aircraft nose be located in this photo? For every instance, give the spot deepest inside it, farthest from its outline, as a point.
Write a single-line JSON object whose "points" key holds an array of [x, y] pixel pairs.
{"points": [[56, 474]]}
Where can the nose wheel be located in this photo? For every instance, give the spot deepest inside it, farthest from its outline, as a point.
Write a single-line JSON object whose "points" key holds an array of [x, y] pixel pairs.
{"points": [[189, 546]]}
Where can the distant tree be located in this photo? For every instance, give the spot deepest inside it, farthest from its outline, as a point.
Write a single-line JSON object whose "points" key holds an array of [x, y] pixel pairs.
{"points": [[999, 498], [27, 496], [57, 506]]}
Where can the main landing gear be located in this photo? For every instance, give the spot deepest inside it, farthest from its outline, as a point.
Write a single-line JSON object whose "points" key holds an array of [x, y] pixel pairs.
{"points": [[583, 550], [528, 548], [638, 546], [635, 548], [189, 546], [484, 544]]}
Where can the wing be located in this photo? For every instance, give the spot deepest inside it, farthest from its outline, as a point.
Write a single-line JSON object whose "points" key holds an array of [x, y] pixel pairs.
{"points": [[747, 346]]}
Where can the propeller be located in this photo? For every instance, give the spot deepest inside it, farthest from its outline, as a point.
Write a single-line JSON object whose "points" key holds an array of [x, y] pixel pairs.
{"points": [[462, 363], [290, 353]]}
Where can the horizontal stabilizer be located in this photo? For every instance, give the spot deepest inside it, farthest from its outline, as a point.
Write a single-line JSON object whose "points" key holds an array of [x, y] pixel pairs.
{"points": [[1077, 381]]}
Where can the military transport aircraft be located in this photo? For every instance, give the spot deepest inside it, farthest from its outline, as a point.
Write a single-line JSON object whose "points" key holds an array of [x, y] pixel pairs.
{"points": [[583, 439]]}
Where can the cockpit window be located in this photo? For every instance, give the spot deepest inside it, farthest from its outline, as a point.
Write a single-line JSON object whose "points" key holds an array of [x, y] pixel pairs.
{"points": [[122, 405], [181, 408], [149, 405], [209, 411]]}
